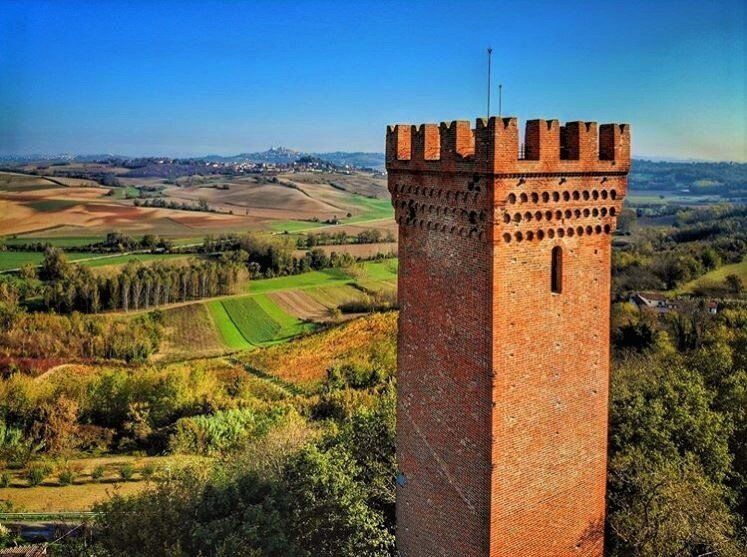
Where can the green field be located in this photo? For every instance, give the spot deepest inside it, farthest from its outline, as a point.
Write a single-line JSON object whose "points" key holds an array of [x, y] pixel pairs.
{"points": [[125, 192], [15, 188], [106, 260], [368, 271], [16, 259], [373, 209], [254, 321], [334, 296], [63, 242], [643, 197], [717, 276], [305, 280], [291, 226], [227, 330]]}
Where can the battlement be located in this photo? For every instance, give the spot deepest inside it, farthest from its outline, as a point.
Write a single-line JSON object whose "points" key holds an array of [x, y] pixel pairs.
{"points": [[493, 147]]}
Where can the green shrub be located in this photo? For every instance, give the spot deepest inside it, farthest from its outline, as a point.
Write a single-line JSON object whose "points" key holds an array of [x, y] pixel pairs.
{"points": [[36, 472], [222, 431], [97, 473], [4, 479], [148, 471], [126, 472], [66, 476]]}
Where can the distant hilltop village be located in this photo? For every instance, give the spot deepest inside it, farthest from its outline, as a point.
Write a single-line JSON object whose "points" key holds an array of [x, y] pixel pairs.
{"points": [[275, 157]]}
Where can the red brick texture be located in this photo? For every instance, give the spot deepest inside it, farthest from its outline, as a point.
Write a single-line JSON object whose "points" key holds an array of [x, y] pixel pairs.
{"points": [[502, 383]]}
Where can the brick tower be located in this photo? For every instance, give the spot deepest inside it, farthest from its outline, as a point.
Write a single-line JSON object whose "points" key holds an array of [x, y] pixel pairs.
{"points": [[503, 362]]}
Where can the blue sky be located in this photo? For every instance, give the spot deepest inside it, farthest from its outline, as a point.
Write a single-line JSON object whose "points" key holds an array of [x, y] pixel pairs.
{"points": [[187, 78]]}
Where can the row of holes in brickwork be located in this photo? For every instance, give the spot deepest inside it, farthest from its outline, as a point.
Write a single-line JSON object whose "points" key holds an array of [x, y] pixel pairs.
{"points": [[560, 233], [454, 196], [565, 196], [438, 210], [439, 226], [559, 215]]}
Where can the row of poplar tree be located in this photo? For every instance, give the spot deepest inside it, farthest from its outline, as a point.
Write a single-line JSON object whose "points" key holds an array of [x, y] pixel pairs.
{"points": [[76, 288]]}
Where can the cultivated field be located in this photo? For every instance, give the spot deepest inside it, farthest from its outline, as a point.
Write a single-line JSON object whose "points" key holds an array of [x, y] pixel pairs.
{"points": [[60, 207], [190, 332], [272, 310]]}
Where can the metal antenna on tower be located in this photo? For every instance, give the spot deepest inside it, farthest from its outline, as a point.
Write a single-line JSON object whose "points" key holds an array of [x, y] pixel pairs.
{"points": [[490, 63], [500, 99]]}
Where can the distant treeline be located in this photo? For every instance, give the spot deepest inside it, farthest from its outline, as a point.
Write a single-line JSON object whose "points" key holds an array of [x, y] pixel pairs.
{"points": [[369, 236], [268, 257], [706, 178], [160, 202], [115, 242]]}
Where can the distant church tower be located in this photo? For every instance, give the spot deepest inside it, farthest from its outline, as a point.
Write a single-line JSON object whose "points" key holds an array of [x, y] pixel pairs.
{"points": [[503, 362]]}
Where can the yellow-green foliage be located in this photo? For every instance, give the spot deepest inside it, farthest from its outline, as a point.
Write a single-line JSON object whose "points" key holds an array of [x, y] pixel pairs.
{"points": [[367, 342], [45, 335], [86, 406]]}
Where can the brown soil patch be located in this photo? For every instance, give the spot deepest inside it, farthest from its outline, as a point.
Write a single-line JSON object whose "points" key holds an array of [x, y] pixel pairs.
{"points": [[301, 305]]}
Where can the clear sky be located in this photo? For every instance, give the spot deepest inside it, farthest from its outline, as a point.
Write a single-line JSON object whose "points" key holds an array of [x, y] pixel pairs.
{"points": [[188, 78]]}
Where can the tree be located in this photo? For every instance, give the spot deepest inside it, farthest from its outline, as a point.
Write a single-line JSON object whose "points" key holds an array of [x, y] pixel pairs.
{"points": [[668, 508], [734, 284], [328, 514], [670, 462], [55, 265]]}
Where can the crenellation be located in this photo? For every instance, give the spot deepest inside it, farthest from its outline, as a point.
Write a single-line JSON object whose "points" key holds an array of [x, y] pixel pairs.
{"points": [[457, 140], [542, 141], [493, 147], [426, 143], [581, 142]]}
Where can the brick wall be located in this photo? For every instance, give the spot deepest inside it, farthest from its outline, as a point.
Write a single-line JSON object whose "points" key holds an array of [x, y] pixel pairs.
{"points": [[502, 384]]}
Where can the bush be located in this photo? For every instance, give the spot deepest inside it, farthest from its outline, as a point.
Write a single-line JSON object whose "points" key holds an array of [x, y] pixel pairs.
{"points": [[66, 476], [126, 472], [222, 431], [37, 472], [148, 471], [4, 479], [97, 473]]}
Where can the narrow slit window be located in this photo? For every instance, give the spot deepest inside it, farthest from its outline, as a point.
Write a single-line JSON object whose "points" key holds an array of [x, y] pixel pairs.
{"points": [[556, 270]]}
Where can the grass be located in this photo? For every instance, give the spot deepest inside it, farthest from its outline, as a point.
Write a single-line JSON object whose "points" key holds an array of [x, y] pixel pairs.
{"points": [[334, 296], [23, 188], [84, 492], [189, 332], [662, 198], [291, 226], [105, 261], [373, 209], [254, 321], [16, 259], [717, 277], [227, 330], [125, 192], [305, 280], [65, 242]]}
